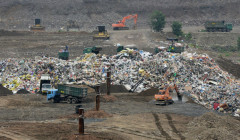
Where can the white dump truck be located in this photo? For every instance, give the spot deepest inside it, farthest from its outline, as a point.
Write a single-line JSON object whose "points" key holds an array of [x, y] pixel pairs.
{"points": [[45, 83]]}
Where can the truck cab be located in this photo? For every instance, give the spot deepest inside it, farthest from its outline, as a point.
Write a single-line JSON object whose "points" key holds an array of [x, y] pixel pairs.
{"points": [[46, 87], [52, 94], [45, 83]]}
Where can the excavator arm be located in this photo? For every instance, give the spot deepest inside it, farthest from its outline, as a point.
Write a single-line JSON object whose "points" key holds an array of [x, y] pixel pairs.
{"points": [[178, 93], [120, 25]]}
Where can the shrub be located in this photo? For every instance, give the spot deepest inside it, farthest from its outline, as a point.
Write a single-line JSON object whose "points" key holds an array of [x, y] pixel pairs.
{"points": [[177, 28], [157, 21]]}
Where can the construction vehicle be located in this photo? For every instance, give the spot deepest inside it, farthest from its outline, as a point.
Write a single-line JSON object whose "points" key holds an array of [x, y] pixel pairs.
{"points": [[159, 49], [101, 33], [218, 26], [120, 48], [145, 75], [175, 48], [133, 88], [37, 26], [72, 26], [45, 83], [70, 93], [63, 54], [163, 97], [93, 49], [120, 25]]}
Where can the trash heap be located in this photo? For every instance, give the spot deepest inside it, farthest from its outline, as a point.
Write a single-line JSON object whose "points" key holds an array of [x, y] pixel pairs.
{"points": [[197, 76]]}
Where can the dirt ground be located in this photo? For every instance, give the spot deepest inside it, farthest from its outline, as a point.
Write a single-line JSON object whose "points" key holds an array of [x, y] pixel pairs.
{"points": [[131, 116]]}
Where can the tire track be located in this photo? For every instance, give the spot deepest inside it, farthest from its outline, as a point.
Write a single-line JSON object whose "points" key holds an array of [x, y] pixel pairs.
{"points": [[14, 135], [159, 126], [169, 118], [129, 131]]}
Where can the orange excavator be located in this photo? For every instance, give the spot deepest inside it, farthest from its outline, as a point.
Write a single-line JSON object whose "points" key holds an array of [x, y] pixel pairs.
{"points": [[163, 97], [120, 25]]}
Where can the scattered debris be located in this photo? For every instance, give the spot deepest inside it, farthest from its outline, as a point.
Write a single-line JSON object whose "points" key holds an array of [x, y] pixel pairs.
{"points": [[96, 114]]}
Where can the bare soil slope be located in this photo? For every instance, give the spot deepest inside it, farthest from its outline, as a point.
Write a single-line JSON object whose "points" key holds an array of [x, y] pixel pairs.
{"points": [[17, 14]]}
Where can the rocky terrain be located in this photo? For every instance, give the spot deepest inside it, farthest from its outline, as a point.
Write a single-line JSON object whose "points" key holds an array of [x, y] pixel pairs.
{"points": [[20, 14]]}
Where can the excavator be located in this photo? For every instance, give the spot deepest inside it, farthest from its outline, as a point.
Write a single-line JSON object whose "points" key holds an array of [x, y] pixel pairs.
{"points": [[163, 97], [120, 25]]}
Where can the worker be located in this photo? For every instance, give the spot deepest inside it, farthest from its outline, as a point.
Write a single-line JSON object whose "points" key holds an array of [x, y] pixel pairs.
{"points": [[66, 50]]}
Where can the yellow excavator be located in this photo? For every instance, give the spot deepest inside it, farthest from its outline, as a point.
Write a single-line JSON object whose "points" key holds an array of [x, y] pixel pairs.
{"points": [[101, 33], [37, 26]]}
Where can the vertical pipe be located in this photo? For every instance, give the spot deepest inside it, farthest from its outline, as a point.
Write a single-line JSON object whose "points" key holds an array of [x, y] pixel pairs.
{"points": [[97, 102], [81, 121], [97, 97], [108, 80]]}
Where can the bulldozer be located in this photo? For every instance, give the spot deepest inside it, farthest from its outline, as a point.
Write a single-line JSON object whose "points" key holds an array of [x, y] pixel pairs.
{"points": [[101, 33], [163, 97], [37, 26]]}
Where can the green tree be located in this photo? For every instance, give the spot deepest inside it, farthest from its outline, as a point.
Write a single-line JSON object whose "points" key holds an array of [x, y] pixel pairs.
{"points": [[238, 44], [177, 28], [157, 21]]}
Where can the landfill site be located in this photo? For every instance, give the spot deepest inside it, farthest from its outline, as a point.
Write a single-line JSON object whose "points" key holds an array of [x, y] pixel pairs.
{"points": [[97, 70]]}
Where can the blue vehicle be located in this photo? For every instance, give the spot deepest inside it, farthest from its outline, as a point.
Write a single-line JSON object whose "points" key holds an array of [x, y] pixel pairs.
{"points": [[70, 93]]}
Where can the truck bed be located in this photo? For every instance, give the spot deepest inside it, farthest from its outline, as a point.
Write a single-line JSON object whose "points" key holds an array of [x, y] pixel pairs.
{"points": [[79, 91]]}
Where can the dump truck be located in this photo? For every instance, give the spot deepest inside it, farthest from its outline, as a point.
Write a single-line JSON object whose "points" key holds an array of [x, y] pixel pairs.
{"points": [[101, 33], [63, 54], [218, 26], [37, 26], [70, 93], [93, 49], [45, 83]]}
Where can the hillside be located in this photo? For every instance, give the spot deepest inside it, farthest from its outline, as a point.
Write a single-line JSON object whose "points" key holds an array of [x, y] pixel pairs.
{"points": [[20, 14]]}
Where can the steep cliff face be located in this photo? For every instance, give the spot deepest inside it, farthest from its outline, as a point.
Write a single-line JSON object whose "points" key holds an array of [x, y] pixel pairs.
{"points": [[20, 14]]}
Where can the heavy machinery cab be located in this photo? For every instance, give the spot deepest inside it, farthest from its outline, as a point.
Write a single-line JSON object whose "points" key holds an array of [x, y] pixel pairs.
{"points": [[101, 33], [161, 92], [37, 26], [163, 97]]}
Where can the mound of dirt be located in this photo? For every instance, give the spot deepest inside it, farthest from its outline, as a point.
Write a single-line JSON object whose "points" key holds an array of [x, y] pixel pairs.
{"points": [[108, 98], [113, 88], [23, 91], [149, 92], [213, 126], [96, 114], [4, 91], [229, 66]]}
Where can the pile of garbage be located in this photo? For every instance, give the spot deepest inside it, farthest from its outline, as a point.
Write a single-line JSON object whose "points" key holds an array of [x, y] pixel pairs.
{"points": [[196, 75]]}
